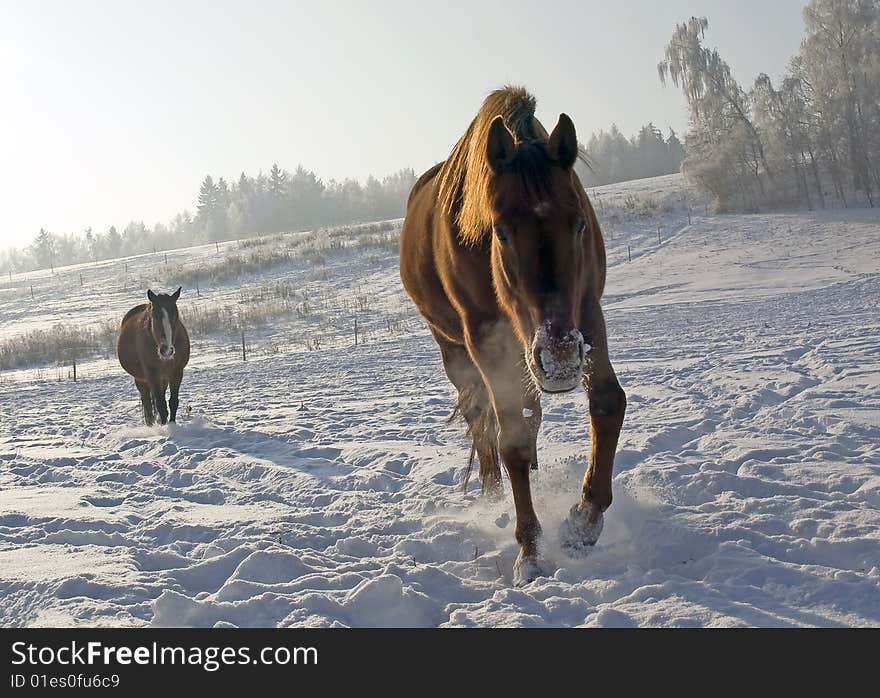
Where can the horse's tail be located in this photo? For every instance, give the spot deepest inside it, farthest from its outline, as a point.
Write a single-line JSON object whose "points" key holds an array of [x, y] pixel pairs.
{"points": [[483, 430]]}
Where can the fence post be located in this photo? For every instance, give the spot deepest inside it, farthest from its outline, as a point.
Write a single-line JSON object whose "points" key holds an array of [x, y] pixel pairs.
{"points": [[243, 346], [659, 241], [74, 370], [32, 292], [629, 253], [355, 330]]}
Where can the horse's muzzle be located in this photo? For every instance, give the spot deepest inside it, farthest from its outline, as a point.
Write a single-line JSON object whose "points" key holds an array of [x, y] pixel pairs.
{"points": [[557, 361], [166, 352]]}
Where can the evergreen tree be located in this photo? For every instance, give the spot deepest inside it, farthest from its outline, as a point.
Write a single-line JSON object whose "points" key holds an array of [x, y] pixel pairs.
{"points": [[113, 243], [275, 215], [43, 249], [223, 198], [207, 199]]}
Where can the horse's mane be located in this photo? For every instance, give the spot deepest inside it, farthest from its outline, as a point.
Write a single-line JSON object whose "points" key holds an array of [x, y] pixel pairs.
{"points": [[465, 178]]}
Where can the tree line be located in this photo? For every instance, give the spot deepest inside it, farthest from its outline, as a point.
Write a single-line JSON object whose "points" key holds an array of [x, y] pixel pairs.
{"points": [[812, 139], [249, 206], [611, 157], [281, 200]]}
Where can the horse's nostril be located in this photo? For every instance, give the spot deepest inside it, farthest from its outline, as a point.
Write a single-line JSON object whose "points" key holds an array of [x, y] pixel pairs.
{"points": [[536, 355]]}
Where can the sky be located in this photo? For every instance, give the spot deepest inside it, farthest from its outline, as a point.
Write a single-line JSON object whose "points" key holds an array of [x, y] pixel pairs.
{"points": [[115, 111]]}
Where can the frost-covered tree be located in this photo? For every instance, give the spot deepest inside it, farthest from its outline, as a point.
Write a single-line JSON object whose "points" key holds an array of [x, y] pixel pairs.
{"points": [[784, 120], [813, 136], [91, 243], [840, 61], [724, 149]]}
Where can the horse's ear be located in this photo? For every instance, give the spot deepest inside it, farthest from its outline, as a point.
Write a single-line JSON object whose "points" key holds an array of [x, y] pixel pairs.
{"points": [[176, 294], [151, 296], [562, 147], [500, 148]]}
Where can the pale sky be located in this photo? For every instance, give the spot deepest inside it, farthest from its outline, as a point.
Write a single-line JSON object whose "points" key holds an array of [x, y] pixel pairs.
{"points": [[115, 111]]}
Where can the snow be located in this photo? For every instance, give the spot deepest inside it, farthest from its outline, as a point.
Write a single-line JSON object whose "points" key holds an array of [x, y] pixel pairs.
{"points": [[322, 487]]}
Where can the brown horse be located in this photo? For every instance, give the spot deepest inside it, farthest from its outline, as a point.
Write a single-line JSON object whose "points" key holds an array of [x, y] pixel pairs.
{"points": [[502, 254], [153, 347]]}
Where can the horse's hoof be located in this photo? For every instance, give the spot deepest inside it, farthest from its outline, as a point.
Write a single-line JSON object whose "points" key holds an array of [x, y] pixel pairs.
{"points": [[578, 534], [526, 570]]}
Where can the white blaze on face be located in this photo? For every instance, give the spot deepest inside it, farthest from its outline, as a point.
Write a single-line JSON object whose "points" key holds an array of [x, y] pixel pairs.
{"points": [[166, 325], [542, 209], [166, 330]]}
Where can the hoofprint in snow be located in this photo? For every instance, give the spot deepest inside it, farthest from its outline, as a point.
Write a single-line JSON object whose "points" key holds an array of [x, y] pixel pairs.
{"points": [[318, 483]]}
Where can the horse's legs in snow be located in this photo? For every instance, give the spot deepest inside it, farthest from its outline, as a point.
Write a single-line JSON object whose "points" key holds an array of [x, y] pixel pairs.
{"points": [[146, 402], [158, 387], [499, 356], [475, 407], [173, 402], [607, 408]]}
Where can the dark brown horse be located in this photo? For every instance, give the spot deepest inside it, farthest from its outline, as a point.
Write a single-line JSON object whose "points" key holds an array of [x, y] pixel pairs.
{"points": [[502, 254], [153, 347]]}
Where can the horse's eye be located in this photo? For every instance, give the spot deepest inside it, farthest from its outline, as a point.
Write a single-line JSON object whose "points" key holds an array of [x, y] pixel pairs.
{"points": [[501, 235], [582, 226]]}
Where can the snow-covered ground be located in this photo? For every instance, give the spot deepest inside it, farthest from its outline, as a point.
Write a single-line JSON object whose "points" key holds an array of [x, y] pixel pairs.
{"points": [[317, 483]]}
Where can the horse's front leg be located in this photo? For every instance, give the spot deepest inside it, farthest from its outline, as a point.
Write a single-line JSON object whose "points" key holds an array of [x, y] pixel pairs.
{"points": [[174, 401], [158, 389], [607, 407], [146, 402], [532, 413], [499, 357]]}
